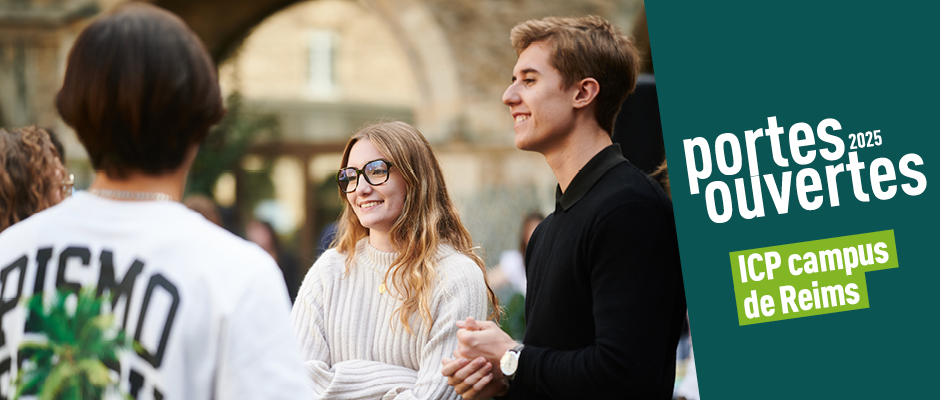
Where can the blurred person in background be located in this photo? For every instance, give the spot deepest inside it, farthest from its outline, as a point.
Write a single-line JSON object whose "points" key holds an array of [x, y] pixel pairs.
{"points": [[687, 386], [509, 282], [510, 272], [32, 177], [208, 309], [205, 206], [605, 301], [686, 376], [327, 235], [375, 314], [263, 234]]}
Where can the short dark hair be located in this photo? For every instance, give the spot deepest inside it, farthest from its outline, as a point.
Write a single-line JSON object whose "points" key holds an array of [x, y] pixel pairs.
{"points": [[587, 47], [139, 89]]}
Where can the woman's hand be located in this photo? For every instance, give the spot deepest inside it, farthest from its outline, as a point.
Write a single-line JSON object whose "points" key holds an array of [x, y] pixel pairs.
{"points": [[473, 380], [477, 379]]}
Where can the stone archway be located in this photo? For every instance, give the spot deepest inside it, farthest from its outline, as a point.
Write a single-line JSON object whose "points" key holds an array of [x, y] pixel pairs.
{"points": [[411, 26], [222, 24], [438, 112], [36, 39]]}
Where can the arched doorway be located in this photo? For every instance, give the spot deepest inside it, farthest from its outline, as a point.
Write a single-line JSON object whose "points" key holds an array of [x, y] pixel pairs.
{"points": [[413, 25], [324, 68]]}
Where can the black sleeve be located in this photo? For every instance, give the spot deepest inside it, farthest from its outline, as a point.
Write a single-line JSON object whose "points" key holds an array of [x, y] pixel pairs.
{"points": [[638, 306]]}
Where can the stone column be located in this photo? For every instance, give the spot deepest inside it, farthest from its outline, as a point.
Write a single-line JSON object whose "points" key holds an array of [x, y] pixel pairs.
{"points": [[34, 40]]}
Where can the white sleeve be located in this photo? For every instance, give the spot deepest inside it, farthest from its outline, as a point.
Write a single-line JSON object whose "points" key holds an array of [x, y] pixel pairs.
{"points": [[258, 356], [352, 379], [460, 294], [359, 379]]}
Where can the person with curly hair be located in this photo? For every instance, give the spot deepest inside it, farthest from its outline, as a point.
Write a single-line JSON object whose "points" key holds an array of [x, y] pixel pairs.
{"points": [[32, 175]]}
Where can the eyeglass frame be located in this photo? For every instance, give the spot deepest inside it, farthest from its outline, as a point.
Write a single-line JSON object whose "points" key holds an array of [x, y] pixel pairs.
{"points": [[68, 186], [361, 172]]}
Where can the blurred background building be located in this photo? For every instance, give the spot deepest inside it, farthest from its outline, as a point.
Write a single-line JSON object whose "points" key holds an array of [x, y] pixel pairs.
{"points": [[301, 76]]}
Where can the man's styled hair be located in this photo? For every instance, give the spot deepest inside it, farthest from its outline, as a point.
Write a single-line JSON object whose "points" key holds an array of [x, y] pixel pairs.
{"points": [[139, 90], [29, 166], [428, 219], [587, 47]]}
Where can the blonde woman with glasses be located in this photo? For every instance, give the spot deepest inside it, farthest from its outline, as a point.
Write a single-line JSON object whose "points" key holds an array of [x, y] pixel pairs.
{"points": [[376, 313]]}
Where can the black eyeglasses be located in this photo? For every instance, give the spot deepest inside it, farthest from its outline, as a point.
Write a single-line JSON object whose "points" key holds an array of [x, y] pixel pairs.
{"points": [[375, 172]]}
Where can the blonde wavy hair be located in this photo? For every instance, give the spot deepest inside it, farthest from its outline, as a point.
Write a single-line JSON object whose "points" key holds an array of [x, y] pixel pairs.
{"points": [[29, 166], [428, 220]]}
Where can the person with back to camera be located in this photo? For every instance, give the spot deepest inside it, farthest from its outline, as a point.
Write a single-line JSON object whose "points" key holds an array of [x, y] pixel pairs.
{"points": [[375, 314], [605, 301], [32, 177], [209, 310]]}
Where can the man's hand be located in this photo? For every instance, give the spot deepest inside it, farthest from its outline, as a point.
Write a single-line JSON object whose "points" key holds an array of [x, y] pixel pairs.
{"points": [[484, 339], [485, 344], [473, 380]]}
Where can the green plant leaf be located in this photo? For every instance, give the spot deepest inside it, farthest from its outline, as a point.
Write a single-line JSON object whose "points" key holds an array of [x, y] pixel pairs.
{"points": [[96, 372], [56, 381], [227, 142]]}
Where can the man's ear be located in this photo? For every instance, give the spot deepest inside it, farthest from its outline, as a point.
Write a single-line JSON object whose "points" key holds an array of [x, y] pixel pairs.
{"points": [[588, 89]]}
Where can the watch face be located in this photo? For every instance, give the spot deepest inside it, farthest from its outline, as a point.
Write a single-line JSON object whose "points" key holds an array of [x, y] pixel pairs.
{"points": [[509, 362]]}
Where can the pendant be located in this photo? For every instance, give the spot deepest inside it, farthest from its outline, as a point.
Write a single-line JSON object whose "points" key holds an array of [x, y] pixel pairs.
{"points": [[382, 288]]}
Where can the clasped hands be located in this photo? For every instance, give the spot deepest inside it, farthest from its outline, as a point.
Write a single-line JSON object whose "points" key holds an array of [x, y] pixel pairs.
{"points": [[474, 372]]}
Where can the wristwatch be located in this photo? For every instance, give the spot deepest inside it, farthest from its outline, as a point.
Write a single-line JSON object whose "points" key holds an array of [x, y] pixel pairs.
{"points": [[509, 363]]}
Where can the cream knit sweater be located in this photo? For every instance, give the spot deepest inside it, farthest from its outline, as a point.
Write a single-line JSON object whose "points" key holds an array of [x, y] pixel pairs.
{"points": [[350, 348]]}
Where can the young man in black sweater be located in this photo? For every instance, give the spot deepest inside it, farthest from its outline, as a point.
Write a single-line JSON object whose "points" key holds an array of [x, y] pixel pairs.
{"points": [[605, 301]]}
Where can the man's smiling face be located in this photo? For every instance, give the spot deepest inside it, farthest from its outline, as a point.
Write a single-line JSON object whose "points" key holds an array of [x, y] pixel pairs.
{"points": [[540, 105]]}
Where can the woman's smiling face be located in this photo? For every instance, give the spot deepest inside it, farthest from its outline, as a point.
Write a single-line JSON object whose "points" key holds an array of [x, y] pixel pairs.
{"points": [[379, 206]]}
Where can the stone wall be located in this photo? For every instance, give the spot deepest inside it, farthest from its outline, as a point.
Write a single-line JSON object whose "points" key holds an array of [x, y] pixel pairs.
{"points": [[446, 65]]}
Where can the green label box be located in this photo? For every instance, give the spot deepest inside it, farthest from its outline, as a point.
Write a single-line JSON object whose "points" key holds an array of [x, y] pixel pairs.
{"points": [[808, 278]]}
